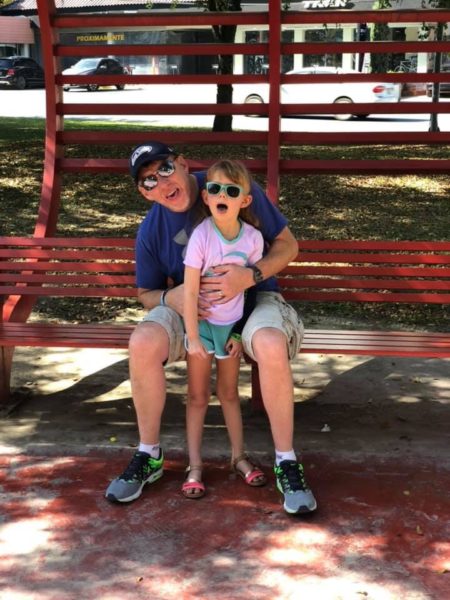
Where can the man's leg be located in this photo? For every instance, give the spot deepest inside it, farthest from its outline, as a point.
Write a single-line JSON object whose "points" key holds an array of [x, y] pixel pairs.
{"points": [[271, 336], [149, 349], [157, 340], [275, 376]]}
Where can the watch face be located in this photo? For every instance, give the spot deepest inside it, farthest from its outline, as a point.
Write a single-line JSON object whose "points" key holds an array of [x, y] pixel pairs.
{"points": [[257, 275]]}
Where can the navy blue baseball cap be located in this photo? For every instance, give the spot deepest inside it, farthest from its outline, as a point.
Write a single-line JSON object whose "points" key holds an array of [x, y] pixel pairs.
{"points": [[147, 153]]}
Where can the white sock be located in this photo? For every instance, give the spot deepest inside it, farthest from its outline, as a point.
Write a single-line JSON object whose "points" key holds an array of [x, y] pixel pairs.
{"points": [[152, 449], [280, 456]]}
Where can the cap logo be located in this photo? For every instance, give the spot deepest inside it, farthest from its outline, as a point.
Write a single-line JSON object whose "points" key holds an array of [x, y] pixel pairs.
{"points": [[137, 153]]}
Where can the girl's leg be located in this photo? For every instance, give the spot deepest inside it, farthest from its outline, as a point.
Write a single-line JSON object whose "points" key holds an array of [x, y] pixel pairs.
{"points": [[228, 394], [199, 375]]}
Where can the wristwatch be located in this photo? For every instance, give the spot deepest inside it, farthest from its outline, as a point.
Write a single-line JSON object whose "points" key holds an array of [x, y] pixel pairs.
{"points": [[257, 274]]}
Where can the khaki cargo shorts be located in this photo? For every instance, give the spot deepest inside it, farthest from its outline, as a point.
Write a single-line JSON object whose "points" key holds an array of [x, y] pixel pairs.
{"points": [[271, 311]]}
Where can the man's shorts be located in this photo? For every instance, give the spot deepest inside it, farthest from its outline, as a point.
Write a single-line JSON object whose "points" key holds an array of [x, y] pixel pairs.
{"points": [[270, 311]]}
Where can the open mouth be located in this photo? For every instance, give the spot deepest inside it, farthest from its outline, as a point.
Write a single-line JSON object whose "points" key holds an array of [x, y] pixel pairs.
{"points": [[172, 195], [222, 208]]}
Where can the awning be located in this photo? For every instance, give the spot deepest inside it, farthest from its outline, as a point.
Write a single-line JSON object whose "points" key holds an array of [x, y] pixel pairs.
{"points": [[16, 30]]}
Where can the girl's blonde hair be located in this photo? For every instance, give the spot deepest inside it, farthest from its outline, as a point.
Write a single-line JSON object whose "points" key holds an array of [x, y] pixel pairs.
{"points": [[238, 173]]}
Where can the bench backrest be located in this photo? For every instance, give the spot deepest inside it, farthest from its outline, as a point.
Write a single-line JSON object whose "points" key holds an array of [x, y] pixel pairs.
{"points": [[336, 271], [369, 271], [90, 267]]}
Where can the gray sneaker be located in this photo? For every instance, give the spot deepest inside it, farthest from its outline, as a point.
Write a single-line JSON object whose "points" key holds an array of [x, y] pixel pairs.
{"points": [[298, 498], [142, 469]]}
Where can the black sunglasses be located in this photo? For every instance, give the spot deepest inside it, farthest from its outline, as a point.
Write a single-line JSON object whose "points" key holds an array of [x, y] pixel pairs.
{"points": [[231, 189], [165, 169]]}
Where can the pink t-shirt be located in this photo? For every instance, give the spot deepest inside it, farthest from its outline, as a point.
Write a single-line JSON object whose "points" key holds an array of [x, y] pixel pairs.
{"points": [[208, 248]]}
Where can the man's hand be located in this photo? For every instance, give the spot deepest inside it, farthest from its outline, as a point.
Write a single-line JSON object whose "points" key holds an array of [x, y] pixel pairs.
{"points": [[234, 348], [231, 280]]}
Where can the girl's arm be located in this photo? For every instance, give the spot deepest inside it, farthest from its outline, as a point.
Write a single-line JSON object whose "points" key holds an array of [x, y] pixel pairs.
{"points": [[191, 295]]}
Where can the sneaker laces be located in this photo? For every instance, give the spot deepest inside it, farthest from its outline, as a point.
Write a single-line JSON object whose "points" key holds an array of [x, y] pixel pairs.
{"points": [[136, 469], [291, 476]]}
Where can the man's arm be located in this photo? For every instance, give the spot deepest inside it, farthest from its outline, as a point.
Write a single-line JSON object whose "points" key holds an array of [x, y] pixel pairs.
{"points": [[174, 298]]}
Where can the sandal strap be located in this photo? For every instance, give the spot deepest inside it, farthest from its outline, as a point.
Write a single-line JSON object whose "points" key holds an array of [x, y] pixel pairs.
{"points": [[238, 459], [190, 468], [193, 485]]}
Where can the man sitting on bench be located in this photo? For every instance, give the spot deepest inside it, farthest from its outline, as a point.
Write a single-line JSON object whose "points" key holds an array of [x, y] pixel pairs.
{"points": [[272, 334]]}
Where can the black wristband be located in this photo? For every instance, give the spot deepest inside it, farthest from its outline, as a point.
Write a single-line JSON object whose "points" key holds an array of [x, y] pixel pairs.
{"points": [[162, 298]]}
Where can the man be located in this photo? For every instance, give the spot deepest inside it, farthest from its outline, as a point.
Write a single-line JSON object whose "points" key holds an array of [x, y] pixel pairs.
{"points": [[272, 334]]}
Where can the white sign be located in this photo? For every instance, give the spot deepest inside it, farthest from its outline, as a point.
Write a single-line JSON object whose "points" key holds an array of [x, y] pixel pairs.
{"points": [[324, 4]]}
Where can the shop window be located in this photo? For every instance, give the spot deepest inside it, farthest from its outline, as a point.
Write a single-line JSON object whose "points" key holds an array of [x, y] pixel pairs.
{"points": [[323, 35], [258, 64]]}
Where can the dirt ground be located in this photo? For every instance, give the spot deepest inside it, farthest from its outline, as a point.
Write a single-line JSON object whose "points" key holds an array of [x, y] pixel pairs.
{"points": [[343, 404], [374, 437]]}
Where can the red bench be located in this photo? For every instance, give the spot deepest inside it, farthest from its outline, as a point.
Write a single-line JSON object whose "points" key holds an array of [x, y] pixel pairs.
{"points": [[325, 271], [32, 268], [329, 271]]}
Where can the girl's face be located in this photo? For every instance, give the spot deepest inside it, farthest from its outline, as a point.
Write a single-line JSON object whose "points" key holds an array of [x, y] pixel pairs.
{"points": [[225, 198]]}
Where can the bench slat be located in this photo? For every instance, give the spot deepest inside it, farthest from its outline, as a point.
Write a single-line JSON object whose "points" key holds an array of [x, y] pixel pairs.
{"points": [[378, 271], [394, 245], [357, 296], [93, 292], [399, 258], [70, 267], [391, 343], [69, 279]]}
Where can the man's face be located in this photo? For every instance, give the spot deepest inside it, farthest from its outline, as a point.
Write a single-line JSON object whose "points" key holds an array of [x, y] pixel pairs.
{"points": [[172, 191]]}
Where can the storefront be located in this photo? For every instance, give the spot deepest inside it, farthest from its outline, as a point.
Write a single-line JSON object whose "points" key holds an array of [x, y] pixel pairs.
{"points": [[16, 36], [156, 64]]}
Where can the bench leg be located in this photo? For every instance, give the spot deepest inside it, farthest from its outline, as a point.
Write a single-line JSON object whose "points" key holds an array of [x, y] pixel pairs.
{"points": [[256, 399], [5, 375]]}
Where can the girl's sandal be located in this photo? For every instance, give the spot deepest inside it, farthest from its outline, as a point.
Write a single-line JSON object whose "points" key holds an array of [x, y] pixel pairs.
{"points": [[252, 476], [193, 488]]}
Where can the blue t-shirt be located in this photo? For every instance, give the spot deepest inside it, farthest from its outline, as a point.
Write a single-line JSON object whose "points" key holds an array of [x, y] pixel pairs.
{"points": [[163, 235]]}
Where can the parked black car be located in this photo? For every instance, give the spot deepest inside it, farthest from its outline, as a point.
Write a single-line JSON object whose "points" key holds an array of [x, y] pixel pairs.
{"points": [[94, 66], [21, 72]]}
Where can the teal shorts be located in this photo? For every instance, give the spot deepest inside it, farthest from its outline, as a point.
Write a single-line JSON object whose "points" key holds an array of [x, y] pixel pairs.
{"points": [[215, 337]]}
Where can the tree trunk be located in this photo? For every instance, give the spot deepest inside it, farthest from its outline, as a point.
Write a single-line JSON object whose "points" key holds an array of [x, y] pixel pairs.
{"points": [[434, 125], [380, 62], [224, 34]]}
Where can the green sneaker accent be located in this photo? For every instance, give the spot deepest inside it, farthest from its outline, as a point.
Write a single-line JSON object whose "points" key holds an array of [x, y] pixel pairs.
{"points": [[142, 469], [291, 482]]}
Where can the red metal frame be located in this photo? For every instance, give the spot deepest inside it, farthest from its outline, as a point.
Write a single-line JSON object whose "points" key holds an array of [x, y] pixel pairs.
{"points": [[274, 17]]}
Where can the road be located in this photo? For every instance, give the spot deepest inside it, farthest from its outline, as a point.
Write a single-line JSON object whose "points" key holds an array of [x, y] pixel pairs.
{"points": [[31, 103]]}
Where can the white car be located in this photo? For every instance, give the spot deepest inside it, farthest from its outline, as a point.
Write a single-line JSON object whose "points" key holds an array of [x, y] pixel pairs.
{"points": [[322, 93]]}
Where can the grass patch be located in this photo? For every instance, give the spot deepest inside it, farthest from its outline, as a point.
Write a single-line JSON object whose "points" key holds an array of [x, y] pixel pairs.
{"points": [[318, 207]]}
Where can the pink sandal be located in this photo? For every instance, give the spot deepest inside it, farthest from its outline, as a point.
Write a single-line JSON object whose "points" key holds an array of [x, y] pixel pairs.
{"points": [[254, 477], [192, 488]]}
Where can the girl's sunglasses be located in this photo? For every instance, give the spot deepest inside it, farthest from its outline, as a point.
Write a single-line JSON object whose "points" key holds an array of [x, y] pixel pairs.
{"points": [[166, 169], [231, 189]]}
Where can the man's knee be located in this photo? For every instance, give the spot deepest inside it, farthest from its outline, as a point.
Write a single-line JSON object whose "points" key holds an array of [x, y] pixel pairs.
{"points": [[148, 339], [269, 344]]}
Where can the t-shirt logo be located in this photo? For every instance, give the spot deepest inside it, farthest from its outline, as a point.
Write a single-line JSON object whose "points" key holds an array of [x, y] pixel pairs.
{"points": [[182, 239]]}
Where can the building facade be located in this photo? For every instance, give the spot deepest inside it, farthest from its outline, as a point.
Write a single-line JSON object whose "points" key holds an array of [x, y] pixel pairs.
{"points": [[245, 34]]}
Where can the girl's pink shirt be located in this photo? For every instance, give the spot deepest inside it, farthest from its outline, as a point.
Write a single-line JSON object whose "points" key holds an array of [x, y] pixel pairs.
{"points": [[208, 248]]}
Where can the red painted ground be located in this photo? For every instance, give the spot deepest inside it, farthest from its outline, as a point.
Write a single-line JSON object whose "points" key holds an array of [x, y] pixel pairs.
{"points": [[382, 531]]}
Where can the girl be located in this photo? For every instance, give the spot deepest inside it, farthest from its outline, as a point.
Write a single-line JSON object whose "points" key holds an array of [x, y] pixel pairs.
{"points": [[227, 234]]}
